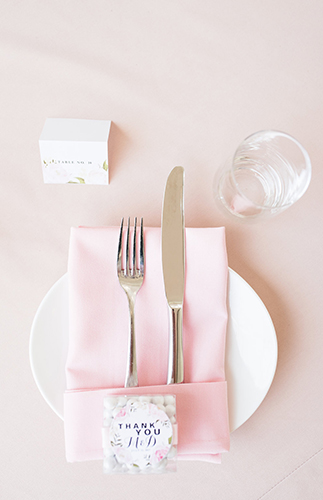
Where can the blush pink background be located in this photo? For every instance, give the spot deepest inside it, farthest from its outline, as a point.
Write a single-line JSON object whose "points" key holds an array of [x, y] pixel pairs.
{"points": [[184, 82]]}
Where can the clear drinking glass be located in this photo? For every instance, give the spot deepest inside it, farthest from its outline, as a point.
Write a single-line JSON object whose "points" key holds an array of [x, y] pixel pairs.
{"points": [[269, 172]]}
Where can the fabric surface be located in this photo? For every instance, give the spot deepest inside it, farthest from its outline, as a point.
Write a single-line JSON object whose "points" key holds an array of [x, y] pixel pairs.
{"points": [[184, 82], [99, 323]]}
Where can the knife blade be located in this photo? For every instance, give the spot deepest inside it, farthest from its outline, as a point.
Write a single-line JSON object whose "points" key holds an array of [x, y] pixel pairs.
{"points": [[173, 261]]}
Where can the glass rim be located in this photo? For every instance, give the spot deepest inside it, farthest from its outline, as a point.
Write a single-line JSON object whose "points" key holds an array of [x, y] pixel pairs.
{"points": [[307, 163]]}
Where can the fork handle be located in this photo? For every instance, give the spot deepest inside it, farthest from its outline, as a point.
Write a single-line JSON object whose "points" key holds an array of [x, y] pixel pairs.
{"points": [[176, 359], [131, 373]]}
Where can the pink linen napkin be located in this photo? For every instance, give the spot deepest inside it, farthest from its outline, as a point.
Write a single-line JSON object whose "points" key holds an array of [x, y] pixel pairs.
{"points": [[99, 323]]}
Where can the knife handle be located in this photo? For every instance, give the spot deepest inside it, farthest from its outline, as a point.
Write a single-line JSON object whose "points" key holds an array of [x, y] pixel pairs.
{"points": [[176, 358]]}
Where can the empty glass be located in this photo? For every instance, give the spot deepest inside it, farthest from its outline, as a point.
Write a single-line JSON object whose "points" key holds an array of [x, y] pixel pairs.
{"points": [[269, 172]]}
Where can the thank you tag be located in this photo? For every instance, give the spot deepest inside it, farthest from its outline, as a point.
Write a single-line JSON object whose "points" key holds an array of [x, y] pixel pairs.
{"points": [[139, 434]]}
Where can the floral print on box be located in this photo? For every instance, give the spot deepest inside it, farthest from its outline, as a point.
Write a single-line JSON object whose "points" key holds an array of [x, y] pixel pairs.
{"points": [[61, 173], [138, 434]]}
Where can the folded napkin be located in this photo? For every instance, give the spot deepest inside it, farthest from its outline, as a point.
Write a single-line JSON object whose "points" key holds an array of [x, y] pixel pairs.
{"points": [[98, 341]]}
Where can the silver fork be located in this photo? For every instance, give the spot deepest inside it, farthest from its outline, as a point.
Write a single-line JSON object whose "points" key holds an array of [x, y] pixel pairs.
{"points": [[131, 280]]}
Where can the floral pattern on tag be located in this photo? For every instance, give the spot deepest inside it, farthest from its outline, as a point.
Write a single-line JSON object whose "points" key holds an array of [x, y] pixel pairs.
{"points": [[138, 434]]}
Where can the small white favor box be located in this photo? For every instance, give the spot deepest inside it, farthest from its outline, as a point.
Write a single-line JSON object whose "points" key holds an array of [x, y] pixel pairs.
{"points": [[75, 151]]}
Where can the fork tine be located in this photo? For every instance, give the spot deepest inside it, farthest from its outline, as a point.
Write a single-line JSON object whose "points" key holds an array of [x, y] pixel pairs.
{"points": [[134, 249], [142, 250], [127, 248], [119, 265]]}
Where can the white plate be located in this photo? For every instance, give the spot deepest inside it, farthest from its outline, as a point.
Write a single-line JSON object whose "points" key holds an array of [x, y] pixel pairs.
{"points": [[251, 353]]}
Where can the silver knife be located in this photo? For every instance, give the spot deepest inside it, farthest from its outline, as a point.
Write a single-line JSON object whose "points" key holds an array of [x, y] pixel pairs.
{"points": [[173, 260]]}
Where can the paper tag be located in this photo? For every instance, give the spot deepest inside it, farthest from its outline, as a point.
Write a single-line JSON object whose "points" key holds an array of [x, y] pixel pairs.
{"points": [[138, 434], [75, 151]]}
